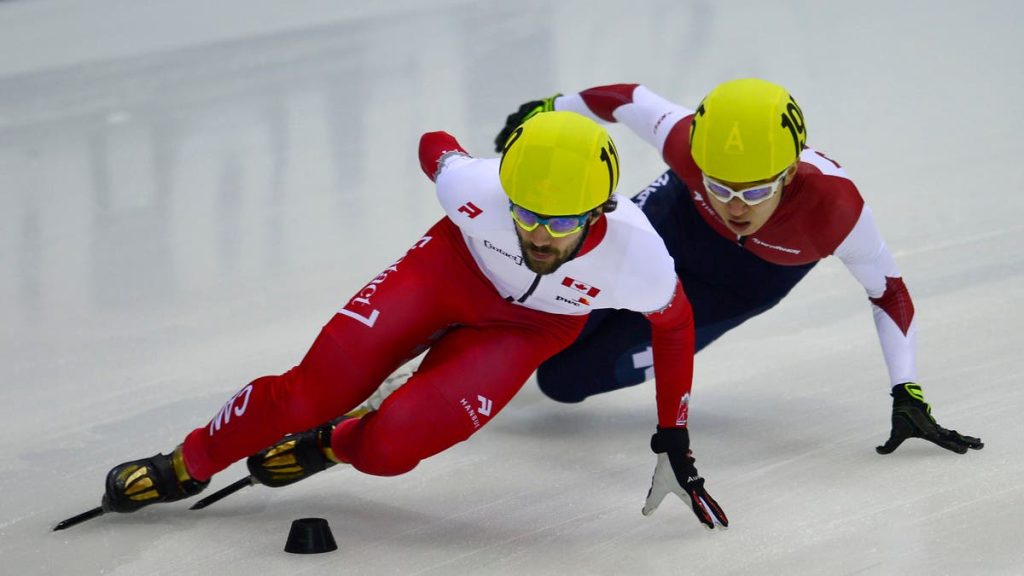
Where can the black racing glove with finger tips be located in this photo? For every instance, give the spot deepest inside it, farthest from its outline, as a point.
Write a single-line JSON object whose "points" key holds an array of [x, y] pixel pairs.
{"points": [[912, 418], [525, 112], [675, 473]]}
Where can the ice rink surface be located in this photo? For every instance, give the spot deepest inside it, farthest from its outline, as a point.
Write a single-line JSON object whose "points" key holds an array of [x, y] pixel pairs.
{"points": [[189, 190]]}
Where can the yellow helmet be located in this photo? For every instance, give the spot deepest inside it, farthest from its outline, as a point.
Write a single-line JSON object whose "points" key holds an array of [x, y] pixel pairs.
{"points": [[559, 164], [747, 130]]}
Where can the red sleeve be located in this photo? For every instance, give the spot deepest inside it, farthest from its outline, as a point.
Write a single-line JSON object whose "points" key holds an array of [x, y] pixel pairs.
{"points": [[433, 145], [673, 342], [896, 303], [603, 100], [676, 151]]}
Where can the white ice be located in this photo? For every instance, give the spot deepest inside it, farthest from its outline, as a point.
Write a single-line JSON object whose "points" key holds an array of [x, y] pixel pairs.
{"points": [[189, 190]]}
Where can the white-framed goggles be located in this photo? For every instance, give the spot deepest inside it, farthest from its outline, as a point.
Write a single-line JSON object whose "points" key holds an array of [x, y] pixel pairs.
{"points": [[751, 196]]}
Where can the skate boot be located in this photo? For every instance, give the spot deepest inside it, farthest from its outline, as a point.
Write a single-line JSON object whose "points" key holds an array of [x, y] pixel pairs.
{"points": [[139, 483], [297, 456]]}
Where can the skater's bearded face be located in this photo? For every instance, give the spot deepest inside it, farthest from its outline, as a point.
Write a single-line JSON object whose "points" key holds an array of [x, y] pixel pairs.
{"points": [[544, 252]]}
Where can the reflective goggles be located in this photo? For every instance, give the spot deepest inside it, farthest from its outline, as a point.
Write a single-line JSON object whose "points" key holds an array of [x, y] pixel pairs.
{"points": [[558, 226], [752, 196]]}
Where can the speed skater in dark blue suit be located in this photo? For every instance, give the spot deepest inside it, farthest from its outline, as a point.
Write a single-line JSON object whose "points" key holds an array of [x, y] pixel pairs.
{"points": [[746, 210]]}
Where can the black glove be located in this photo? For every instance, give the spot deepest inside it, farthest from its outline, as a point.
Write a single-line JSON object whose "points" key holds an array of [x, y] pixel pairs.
{"points": [[676, 474], [525, 112], [912, 418]]}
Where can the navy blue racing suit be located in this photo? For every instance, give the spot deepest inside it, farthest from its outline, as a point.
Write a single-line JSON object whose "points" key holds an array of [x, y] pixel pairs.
{"points": [[726, 285]]}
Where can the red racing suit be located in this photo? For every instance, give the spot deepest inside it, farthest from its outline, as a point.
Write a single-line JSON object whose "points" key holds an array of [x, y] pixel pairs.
{"points": [[463, 292]]}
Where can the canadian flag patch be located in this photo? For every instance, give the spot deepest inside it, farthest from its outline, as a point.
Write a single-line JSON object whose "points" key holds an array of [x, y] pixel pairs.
{"points": [[587, 289]]}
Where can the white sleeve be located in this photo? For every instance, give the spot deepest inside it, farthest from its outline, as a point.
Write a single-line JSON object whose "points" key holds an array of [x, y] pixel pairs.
{"points": [[648, 115], [867, 257], [460, 180]]}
